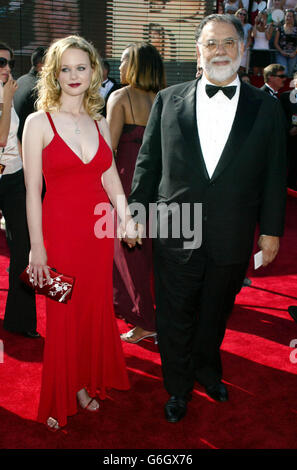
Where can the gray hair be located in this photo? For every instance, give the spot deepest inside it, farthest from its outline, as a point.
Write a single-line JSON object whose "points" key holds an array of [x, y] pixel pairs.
{"points": [[229, 19]]}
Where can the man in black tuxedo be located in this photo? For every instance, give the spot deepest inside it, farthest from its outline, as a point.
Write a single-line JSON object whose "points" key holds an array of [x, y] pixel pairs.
{"points": [[108, 85], [274, 78], [226, 152]]}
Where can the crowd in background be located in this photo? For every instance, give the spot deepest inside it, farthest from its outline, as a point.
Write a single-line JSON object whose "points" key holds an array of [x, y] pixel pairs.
{"points": [[270, 32]]}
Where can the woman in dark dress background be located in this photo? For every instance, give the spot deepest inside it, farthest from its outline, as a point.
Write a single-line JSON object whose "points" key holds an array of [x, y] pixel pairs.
{"points": [[128, 110]]}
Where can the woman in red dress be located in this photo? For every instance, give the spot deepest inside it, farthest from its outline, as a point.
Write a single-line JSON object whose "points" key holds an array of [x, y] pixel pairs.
{"points": [[68, 141]]}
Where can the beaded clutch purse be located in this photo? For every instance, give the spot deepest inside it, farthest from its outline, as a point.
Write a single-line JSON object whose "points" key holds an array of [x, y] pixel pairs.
{"points": [[59, 287]]}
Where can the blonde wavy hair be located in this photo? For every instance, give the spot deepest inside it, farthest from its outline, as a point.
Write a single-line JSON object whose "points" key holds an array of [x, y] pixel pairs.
{"points": [[48, 87]]}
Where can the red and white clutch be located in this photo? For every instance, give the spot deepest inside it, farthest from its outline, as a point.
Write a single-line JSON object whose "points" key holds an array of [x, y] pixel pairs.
{"points": [[59, 287]]}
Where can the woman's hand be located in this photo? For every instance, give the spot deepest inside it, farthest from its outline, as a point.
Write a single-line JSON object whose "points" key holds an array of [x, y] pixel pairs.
{"points": [[38, 268], [9, 89]]}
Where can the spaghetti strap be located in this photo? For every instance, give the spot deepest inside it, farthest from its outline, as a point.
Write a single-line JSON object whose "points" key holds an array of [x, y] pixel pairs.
{"points": [[130, 105], [97, 126], [51, 123]]}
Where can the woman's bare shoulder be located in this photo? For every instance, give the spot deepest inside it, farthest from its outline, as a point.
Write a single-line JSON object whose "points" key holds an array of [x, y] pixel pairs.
{"points": [[37, 118], [118, 96]]}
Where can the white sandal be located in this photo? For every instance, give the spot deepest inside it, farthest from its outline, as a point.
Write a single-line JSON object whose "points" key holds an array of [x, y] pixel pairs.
{"points": [[52, 424]]}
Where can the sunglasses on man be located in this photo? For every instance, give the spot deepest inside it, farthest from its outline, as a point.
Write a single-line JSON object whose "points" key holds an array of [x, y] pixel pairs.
{"points": [[4, 62], [279, 76]]}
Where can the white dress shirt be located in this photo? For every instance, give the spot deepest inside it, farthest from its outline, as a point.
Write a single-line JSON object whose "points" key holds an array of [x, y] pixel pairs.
{"points": [[104, 90], [272, 92], [10, 155], [215, 117]]}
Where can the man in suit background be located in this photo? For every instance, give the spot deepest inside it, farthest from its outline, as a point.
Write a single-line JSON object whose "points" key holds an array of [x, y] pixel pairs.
{"points": [[25, 96], [274, 78], [108, 85], [226, 152]]}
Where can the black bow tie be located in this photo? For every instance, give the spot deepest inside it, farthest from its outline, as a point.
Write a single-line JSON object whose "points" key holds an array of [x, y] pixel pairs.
{"points": [[229, 91]]}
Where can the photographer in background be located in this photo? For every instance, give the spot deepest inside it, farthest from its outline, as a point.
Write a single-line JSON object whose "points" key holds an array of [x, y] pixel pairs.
{"points": [[262, 33], [285, 42]]}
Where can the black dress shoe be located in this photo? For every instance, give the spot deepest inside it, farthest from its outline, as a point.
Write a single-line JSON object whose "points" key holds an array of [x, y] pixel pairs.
{"points": [[175, 408], [31, 334], [217, 391], [293, 312]]}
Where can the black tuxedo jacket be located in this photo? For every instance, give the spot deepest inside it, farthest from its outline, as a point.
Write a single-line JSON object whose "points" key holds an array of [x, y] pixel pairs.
{"points": [[248, 184], [289, 107], [266, 89], [113, 88]]}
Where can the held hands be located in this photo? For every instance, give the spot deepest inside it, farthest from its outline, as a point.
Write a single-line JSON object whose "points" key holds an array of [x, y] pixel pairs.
{"points": [[38, 268], [132, 234], [270, 246]]}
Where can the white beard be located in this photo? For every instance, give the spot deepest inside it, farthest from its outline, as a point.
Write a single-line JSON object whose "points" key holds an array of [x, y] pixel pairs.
{"points": [[223, 72]]}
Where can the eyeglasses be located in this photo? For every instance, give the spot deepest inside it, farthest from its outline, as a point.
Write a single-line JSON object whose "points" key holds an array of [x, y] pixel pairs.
{"points": [[242, 14], [4, 62], [212, 45]]}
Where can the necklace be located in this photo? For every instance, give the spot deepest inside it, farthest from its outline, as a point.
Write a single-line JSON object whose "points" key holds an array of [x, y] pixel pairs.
{"points": [[77, 129]]}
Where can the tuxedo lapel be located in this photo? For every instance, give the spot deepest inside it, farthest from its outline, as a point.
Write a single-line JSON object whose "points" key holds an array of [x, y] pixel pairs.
{"points": [[245, 116], [246, 113], [185, 106]]}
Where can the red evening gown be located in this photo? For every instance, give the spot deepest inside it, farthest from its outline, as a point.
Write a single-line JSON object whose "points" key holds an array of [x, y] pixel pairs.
{"points": [[82, 346]]}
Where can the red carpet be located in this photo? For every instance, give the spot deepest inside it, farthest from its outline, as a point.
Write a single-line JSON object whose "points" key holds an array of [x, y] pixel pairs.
{"points": [[262, 409]]}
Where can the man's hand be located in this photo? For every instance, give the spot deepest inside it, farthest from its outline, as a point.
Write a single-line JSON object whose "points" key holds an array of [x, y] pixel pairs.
{"points": [[140, 232], [270, 246]]}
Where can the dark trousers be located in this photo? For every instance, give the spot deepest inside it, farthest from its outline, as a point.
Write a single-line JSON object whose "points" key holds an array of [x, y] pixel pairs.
{"points": [[20, 311], [193, 303]]}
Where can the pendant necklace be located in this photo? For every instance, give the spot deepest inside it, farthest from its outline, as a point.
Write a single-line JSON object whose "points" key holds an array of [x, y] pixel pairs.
{"points": [[77, 129]]}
